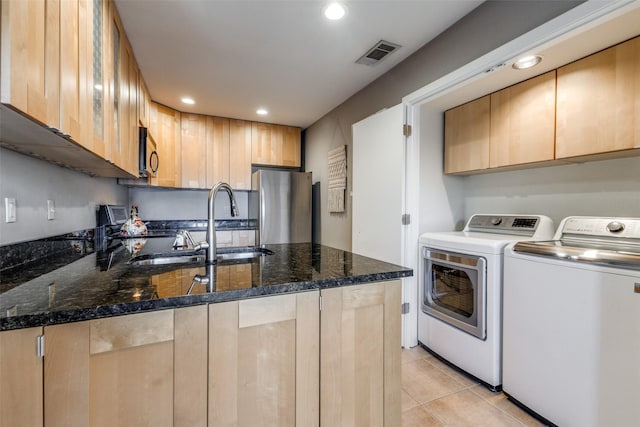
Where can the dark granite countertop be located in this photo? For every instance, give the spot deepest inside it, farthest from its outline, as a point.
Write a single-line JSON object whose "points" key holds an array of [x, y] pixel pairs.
{"points": [[84, 283]]}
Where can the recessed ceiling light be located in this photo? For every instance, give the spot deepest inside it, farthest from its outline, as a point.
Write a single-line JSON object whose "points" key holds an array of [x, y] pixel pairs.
{"points": [[335, 11], [187, 100], [262, 111], [527, 62]]}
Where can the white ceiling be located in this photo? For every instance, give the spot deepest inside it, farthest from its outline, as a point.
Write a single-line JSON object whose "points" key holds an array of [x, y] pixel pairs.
{"points": [[235, 56]]}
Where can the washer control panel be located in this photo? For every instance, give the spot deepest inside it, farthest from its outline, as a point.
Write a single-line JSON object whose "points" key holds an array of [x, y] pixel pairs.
{"points": [[600, 227]]}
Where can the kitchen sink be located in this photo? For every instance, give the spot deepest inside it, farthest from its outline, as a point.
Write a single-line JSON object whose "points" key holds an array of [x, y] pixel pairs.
{"points": [[183, 257]]}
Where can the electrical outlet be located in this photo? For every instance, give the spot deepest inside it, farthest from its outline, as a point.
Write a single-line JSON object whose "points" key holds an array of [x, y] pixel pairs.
{"points": [[10, 209], [51, 210]]}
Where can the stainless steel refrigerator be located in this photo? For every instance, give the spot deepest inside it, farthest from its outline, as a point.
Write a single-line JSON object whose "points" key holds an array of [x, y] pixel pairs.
{"points": [[280, 201]]}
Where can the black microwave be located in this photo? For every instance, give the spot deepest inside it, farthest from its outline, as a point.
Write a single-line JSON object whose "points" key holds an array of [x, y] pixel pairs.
{"points": [[148, 161]]}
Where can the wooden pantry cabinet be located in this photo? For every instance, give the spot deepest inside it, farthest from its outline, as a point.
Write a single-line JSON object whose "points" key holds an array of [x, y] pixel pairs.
{"points": [[599, 103], [21, 379]]}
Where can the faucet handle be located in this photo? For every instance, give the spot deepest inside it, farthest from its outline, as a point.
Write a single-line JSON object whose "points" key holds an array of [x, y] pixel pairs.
{"points": [[201, 245]]}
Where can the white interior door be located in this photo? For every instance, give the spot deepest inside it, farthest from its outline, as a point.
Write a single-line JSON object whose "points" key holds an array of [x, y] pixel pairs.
{"points": [[379, 201], [378, 185]]}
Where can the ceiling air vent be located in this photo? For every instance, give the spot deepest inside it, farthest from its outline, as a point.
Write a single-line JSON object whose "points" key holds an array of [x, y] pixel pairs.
{"points": [[377, 53]]}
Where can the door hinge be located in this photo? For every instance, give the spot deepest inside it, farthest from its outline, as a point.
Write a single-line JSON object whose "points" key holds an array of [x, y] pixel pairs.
{"points": [[321, 302], [405, 308], [406, 130], [40, 346], [406, 219]]}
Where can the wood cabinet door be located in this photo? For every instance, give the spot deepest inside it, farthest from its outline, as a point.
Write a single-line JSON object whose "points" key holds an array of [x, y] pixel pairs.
{"points": [[165, 128], [266, 143], [217, 150], [139, 369], [194, 150], [144, 100], [73, 60], [21, 379], [523, 122], [263, 361], [598, 106], [466, 136], [291, 146], [360, 355], [240, 154], [30, 78]]}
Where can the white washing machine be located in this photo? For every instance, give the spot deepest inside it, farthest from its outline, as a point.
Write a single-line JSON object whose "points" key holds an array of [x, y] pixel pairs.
{"points": [[461, 290], [572, 323]]}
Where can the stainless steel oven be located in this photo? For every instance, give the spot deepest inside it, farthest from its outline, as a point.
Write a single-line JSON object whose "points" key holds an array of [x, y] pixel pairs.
{"points": [[455, 288]]}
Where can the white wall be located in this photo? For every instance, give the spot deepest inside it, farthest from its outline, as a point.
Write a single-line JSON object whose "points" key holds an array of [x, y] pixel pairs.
{"points": [[441, 196], [32, 182], [599, 188]]}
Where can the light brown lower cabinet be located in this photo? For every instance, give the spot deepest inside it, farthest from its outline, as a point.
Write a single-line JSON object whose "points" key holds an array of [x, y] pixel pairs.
{"points": [[270, 361], [20, 378], [263, 361], [147, 369], [360, 355]]}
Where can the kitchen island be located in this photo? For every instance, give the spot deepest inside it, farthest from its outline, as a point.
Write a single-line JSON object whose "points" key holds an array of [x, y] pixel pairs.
{"points": [[309, 335]]}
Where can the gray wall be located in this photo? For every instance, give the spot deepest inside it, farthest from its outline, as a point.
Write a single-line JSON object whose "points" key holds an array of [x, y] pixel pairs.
{"points": [[162, 204], [489, 26], [32, 182]]}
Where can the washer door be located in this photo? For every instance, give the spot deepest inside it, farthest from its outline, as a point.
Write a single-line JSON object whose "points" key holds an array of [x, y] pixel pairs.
{"points": [[455, 290]]}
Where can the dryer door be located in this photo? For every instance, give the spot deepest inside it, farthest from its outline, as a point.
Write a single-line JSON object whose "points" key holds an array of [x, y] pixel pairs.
{"points": [[455, 289]]}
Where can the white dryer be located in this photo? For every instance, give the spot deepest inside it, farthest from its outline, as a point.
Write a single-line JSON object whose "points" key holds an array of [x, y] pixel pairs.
{"points": [[461, 290], [572, 323]]}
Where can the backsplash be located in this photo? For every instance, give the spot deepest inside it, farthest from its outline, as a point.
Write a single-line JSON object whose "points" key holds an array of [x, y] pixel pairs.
{"points": [[31, 182]]}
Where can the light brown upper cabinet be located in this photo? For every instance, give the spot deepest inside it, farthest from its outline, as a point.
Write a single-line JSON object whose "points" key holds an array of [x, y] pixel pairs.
{"points": [[144, 109], [73, 58], [124, 105], [275, 145], [291, 146], [217, 150], [466, 136], [523, 122], [240, 154], [165, 128], [194, 150], [599, 102], [30, 78]]}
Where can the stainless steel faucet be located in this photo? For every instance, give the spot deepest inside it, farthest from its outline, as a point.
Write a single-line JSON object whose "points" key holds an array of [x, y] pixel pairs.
{"points": [[211, 226]]}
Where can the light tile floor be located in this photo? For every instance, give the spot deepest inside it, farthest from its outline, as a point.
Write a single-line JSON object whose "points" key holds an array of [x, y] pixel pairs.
{"points": [[433, 394]]}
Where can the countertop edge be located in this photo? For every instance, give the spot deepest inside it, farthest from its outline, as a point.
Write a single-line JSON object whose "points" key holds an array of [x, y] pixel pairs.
{"points": [[78, 315]]}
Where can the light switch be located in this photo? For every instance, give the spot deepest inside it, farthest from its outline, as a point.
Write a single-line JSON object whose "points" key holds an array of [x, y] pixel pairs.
{"points": [[10, 209], [51, 210]]}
